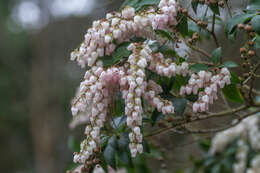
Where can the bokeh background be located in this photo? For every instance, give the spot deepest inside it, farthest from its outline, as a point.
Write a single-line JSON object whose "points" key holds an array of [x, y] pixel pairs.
{"points": [[37, 82]]}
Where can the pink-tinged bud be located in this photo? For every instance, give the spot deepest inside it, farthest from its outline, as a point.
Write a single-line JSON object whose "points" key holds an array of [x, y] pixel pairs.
{"points": [[142, 63], [225, 71], [202, 74], [226, 79], [188, 90], [205, 98], [108, 39], [74, 111], [200, 83], [182, 91], [221, 84], [202, 107], [195, 107], [195, 89], [139, 148]]}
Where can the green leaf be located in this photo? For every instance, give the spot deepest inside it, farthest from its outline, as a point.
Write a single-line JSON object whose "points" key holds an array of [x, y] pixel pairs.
{"points": [[179, 81], [232, 24], [164, 33], [216, 55], [179, 105], [198, 67], [121, 52], [229, 64], [123, 141], [139, 4], [257, 42], [131, 3], [215, 9], [110, 151], [182, 26], [194, 5], [123, 150], [109, 155], [118, 122], [232, 93], [253, 5], [234, 79], [143, 3], [256, 23], [156, 116]]}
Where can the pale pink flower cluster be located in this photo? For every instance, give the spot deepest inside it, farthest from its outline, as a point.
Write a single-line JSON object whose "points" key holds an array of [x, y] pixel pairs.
{"points": [[166, 67], [135, 79], [167, 14], [210, 84], [118, 27], [95, 93], [152, 97]]}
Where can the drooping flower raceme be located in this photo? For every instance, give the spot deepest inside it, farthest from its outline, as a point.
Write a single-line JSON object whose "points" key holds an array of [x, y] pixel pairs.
{"points": [[95, 96], [210, 84]]}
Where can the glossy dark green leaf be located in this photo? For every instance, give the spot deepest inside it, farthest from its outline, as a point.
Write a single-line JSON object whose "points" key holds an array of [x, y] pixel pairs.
{"points": [[216, 55], [156, 116], [232, 24], [123, 141], [110, 151], [256, 23], [154, 46], [198, 67], [194, 5], [229, 64], [215, 9], [179, 105], [112, 141], [257, 42], [253, 5], [232, 93], [118, 122], [164, 33], [234, 79], [139, 4], [182, 26], [192, 97], [123, 152], [179, 81], [131, 3], [143, 3], [121, 52], [109, 154]]}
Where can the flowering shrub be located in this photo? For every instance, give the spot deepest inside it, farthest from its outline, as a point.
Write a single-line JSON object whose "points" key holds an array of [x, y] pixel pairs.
{"points": [[136, 75], [234, 150]]}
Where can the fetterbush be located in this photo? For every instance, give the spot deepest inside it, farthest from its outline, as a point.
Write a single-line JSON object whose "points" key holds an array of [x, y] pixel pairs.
{"points": [[134, 70]]}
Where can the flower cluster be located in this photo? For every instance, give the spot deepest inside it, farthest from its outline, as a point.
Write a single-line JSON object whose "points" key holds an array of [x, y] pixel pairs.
{"points": [[118, 27], [210, 84], [94, 94], [248, 134], [152, 97], [94, 98], [165, 67]]}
